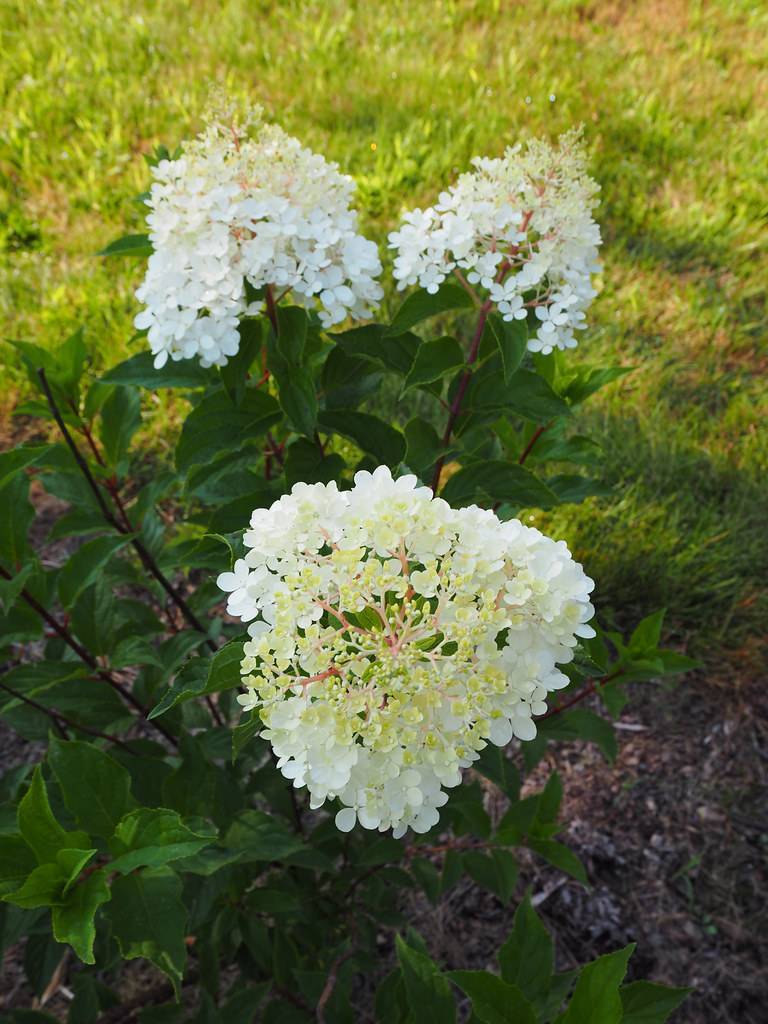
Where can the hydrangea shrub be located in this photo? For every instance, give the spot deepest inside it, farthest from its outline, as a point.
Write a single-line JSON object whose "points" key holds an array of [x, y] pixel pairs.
{"points": [[236, 787]]}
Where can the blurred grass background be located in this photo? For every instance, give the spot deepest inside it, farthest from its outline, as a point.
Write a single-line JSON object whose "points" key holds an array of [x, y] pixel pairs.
{"points": [[674, 101]]}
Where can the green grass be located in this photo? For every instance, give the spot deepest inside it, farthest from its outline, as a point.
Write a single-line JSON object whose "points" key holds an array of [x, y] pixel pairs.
{"points": [[402, 94]]}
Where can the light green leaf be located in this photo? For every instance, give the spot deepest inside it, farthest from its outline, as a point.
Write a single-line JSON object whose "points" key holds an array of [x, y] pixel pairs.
{"points": [[95, 787], [74, 919], [129, 245], [39, 828], [43, 887], [148, 919], [72, 863], [151, 837]]}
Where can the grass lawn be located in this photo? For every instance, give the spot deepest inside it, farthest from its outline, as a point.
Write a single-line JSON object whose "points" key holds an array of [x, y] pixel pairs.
{"points": [[674, 102]]}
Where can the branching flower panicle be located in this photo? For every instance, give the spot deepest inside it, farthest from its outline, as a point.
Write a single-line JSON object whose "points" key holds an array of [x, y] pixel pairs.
{"points": [[392, 636], [256, 208], [519, 228]]}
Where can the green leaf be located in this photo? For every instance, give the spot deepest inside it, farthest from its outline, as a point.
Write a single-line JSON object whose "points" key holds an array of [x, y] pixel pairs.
{"points": [[306, 462], [427, 990], [433, 360], [151, 837], [423, 446], [494, 1001], [581, 724], [560, 857], [38, 827], [235, 373], [72, 863], [139, 371], [85, 565], [511, 338], [18, 459], [527, 957], [390, 1002], [71, 357], [497, 871], [257, 836], [202, 676], [589, 379], [420, 305], [500, 769], [120, 419], [16, 861], [298, 398], [494, 481], [95, 787], [148, 919], [348, 379], [647, 633], [573, 488], [243, 733], [74, 920], [43, 887], [370, 342], [216, 423], [16, 515], [10, 589], [596, 996], [526, 394], [292, 333], [373, 435], [644, 1002], [129, 245]]}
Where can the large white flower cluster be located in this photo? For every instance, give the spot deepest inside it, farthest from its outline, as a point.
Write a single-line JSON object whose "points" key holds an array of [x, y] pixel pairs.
{"points": [[392, 636], [519, 227], [233, 209]]}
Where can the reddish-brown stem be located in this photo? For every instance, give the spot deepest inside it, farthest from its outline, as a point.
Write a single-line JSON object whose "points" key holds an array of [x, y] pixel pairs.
{"points": [[593, 686], [531, 444], [461, 390], [125, 527]]}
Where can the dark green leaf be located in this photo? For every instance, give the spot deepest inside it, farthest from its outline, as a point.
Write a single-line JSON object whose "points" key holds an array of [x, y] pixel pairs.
{"points": [[511, 337], [120, 419], [373, 435], [589, 379], [148, 919], [129, 245], [16, 861], [348, 379], [298, 398], [496, 871], [95, 787], [644, 1002], [18, 459], [581, 724], [647, 633], [10, 589], [420, 305], [139, 371], [596, 996], [526, 394], [494, 1001], [234, 375], [574, 488], [257, 836], [39, 828], [433, 360], [427, 990], [85, 565], [527, 957], [559, 856], [306, 462], [217, 423], [371, 343], [16, 515], [203, 676], [495, 481]]}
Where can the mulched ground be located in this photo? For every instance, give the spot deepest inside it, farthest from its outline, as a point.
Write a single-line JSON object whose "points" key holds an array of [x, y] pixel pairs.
{"points": [[675, 839]]}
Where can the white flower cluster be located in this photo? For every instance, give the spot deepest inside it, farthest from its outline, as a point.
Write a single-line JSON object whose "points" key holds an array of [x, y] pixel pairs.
{"points": [[264, 210], [520, 227], [392, 636]]}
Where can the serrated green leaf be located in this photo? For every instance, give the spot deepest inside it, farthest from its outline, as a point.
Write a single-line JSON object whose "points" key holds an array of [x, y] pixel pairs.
{"points": [[370, 342], [527, 957], [43, 887], [421, 305], [203, 676], [433, 360], [496, 871], [18, 459], [596, 996], [560, 857], [38, 827], [10, 589], [129, 245], [644, 1002], [494, 1001], [373, 435], [152, 837], [85, 564], [216, 423], [494, 481], [511, 337], [427, 991], [257, 836], [148, 920], [95, 787]]}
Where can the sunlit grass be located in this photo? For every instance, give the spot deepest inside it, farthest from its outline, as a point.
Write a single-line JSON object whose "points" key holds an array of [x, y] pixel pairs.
{"points": [[402, 94]]}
